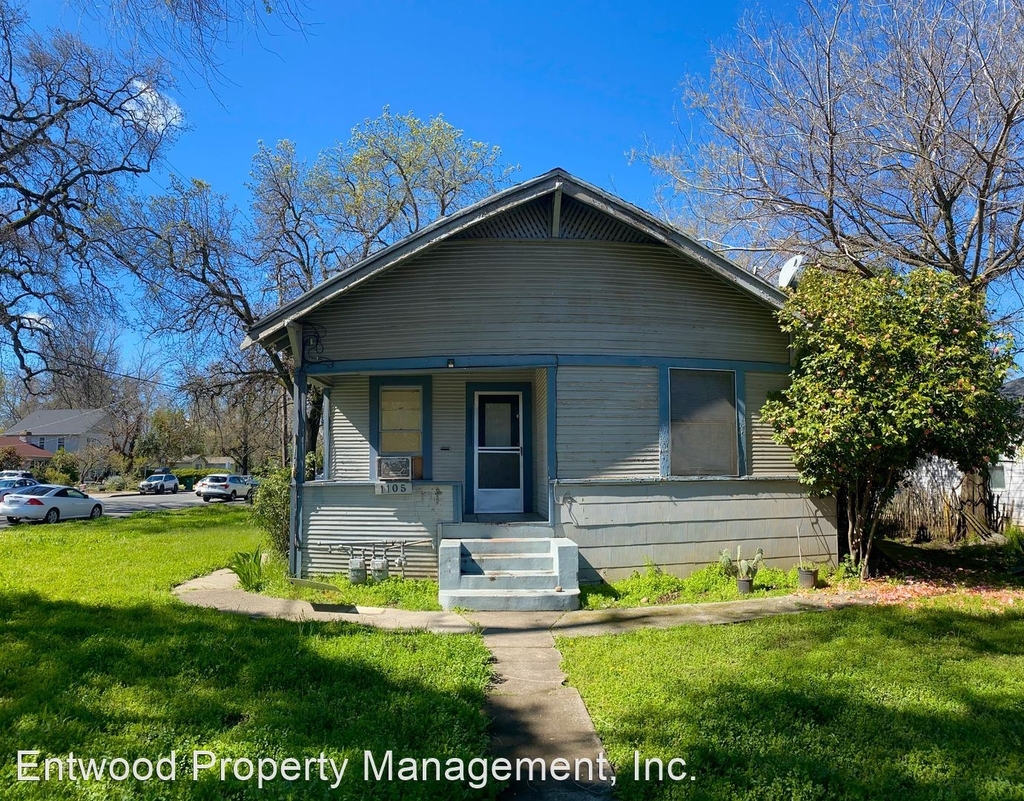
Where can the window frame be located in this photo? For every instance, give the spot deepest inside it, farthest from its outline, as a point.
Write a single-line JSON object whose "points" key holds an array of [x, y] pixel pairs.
{"points": [[738, 411], [425, 385]]}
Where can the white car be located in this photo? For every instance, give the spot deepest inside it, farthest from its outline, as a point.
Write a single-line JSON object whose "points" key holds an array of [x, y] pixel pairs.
{"points": [[49, 503]]}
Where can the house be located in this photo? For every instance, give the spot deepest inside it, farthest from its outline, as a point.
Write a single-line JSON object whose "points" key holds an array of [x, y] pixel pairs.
{"points": [[569, 387], [32, 457], [198, 462], [70, 429]]}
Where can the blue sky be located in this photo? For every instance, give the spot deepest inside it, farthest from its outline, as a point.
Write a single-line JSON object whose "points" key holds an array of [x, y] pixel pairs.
{"points": [[573, 84]]}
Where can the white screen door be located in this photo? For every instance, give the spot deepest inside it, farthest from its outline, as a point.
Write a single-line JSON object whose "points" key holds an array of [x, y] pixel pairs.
{"points": [[498, 453]]}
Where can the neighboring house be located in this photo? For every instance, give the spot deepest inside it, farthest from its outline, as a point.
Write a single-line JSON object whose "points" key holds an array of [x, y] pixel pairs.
{"points": [[70, 429], [575, 387], [197, 462], [32, 457], [928, 501]]}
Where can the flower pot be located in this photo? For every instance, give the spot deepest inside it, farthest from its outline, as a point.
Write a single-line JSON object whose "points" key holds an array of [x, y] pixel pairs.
{"points": [[745, 586], [807, 579]]}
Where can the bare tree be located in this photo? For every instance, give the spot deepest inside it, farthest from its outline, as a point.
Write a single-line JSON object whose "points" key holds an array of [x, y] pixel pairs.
{"points": [[82, 367], [193, 33], [208, 273], [74, 122], [887, 131]]}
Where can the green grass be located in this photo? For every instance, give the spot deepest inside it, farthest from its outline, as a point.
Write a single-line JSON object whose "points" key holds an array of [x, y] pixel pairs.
{"points": [[412, 594], [863, 703], [652, 586], [97, 658]]}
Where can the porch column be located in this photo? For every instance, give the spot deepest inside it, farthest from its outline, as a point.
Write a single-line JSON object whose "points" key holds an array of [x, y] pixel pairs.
{"points": [[299, 391]]}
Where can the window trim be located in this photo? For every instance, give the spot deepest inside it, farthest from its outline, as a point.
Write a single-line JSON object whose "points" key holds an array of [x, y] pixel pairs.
{"points": [[665, 410], [425, 383]]}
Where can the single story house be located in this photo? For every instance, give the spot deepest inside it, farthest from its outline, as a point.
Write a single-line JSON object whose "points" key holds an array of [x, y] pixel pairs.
{"points": [[70, 429], [197, 461], [549, 386], [32, 457]]}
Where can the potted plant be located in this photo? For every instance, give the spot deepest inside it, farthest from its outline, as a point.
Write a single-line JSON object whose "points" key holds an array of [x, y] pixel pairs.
{"points": [[743, 569], [806, 571], [807, 575]]}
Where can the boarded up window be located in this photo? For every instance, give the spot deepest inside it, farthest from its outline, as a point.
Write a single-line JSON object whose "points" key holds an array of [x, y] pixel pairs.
{"points": [[401, 425], [704, 426]]}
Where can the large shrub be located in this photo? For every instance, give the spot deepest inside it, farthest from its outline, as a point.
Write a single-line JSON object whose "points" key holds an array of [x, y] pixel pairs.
{"points": [[890, 369], [271, 506], [63, 465]]}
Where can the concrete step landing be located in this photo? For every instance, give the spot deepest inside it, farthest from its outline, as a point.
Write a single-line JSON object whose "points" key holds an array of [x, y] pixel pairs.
{"points": [[509, 574]]}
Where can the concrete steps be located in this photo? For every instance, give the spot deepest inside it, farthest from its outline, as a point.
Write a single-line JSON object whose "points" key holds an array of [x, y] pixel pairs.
{"points": [[509, 574]]}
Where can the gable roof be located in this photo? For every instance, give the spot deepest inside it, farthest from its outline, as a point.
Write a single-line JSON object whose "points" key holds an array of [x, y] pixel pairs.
{"points": [[47, 422], [26, 450], [1013, 389], [272, 329]]}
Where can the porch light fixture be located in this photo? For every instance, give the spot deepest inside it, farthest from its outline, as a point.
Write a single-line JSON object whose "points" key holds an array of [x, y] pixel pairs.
{"points": [[451, 362]]}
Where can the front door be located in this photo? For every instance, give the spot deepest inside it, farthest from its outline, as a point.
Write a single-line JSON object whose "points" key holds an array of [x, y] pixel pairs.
{"points": [[498, 486]]}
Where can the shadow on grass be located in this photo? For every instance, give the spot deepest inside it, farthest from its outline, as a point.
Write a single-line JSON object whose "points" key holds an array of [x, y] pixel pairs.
{"points": [[861, 704], [140, 681], [985, 565]]}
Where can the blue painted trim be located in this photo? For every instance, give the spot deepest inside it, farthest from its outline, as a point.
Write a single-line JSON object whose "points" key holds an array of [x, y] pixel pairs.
{"points": [[552, 438], [665, 415], [429, 363], [740, 383], [299, 390], [325, 424], [426, 385], [664, 423], [537, 360], [552, 415], [524, 387]]}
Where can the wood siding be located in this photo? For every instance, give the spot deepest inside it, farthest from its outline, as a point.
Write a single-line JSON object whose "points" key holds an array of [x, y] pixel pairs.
{"points": [[683, 525], [765, 457], [607, 422], [334, 515], [556, 296], [350, 428]]}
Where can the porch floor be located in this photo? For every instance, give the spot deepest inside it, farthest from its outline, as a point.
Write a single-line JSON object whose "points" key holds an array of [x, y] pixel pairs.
{"points": [[509, 517]]}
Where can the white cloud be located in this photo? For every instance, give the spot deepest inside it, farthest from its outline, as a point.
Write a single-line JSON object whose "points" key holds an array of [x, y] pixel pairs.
{"points": [[152, 110]]}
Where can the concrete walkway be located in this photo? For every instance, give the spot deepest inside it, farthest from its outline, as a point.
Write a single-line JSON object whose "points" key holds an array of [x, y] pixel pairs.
{"points": [[220, 591], [534, 714]]}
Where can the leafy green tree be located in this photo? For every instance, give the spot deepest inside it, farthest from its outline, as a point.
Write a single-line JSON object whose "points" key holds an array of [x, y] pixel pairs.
{"points": [[9, 459], [169, 437], [394, 175], [64, 464], [890, 369]]}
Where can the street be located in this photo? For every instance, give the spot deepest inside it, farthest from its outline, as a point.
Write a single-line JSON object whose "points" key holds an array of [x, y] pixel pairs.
{"points": [[122, 504]]}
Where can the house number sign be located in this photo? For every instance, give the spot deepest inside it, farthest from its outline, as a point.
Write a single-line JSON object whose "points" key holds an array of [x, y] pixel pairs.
{"points": [[394, 487]]}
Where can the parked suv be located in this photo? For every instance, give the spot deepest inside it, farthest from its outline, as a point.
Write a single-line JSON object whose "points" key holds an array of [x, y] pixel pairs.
{"points": [[16, 474], [159, 483], [226, 487]]}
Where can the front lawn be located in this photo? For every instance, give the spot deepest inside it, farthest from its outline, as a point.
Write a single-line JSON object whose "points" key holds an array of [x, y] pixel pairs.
{"points": [[97, 658], [865, 703]]}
